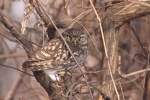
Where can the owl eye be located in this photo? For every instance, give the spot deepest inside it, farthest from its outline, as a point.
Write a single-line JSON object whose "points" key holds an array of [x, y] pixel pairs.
{"points": [[69, 37], [80, 38]]}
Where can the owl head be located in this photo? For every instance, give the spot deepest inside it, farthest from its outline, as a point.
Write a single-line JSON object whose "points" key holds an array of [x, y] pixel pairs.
{"points": [[76, 38]]}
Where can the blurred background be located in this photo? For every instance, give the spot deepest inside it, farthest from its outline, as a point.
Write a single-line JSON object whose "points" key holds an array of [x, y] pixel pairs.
{"points": [[15, 85]]}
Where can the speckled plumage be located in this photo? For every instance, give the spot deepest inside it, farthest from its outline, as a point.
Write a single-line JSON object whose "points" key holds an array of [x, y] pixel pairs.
{"points": [[54, 56]]}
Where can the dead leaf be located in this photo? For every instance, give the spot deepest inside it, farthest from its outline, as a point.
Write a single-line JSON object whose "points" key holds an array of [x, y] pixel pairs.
{"points": [[27, 13]]}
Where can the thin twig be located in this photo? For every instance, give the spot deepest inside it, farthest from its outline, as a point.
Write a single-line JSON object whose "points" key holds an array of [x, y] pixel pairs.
{"points": [[121, 90], [15, 69], [13, 40], [124, 8], [133, 73], [138, 39], [66, 4], [11, 55], [14, 88], [146, 72], [82, 15]]}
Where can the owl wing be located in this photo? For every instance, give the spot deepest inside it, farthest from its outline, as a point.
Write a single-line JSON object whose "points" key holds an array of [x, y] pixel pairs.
{"points": [[51, 55], [49, 50]]}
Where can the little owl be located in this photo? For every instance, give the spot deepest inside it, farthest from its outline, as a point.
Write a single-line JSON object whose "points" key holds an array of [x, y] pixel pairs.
{"points": [[54, 56]]}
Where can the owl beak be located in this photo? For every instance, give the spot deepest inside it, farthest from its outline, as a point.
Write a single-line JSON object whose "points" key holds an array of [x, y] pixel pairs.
{"points": [[75, 42]]}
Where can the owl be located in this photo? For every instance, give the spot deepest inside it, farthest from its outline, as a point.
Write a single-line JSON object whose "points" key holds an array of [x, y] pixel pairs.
{"points": [[54, 56]]}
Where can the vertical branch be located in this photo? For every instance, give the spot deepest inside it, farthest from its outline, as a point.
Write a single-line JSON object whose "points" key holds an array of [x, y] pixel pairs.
{"points": [[112, 50]]}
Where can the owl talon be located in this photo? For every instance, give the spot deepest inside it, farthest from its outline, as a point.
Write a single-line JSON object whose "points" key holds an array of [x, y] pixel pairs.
{"points": [[63, 73]]}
